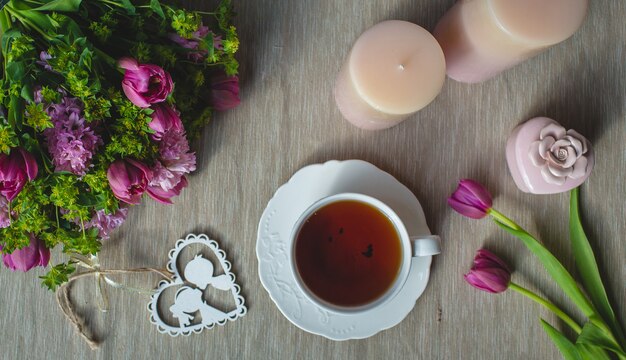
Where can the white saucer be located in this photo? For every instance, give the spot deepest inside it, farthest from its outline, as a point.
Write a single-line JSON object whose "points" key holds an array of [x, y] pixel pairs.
{"points": [[306, 186]]}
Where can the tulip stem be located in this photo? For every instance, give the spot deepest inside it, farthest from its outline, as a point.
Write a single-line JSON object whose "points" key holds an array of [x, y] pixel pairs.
{"points": [[498, 216], [548, 305]]}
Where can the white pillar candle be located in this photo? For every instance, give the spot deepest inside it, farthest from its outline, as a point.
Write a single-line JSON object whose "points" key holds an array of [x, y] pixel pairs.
{"points": [[482, 38], [394, 69]]}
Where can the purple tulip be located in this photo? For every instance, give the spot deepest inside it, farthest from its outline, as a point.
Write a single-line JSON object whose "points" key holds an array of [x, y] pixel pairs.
{"points": [[164, 119], [471, 199], [35, 254], [224, 92], [489, 273], [128, 179], [15, 169], [145, 84]]}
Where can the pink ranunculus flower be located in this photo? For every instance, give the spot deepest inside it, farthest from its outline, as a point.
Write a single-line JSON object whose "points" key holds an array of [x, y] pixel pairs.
{"points": [[489, 273], [15, 170], [162, 195], [164, 118], [35, 254], [128, 179], [224, 92], [471, 199], [145, 84]]}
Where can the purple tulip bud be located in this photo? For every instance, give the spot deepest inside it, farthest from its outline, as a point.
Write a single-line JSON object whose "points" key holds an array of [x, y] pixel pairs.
{"points": [[224, 92], [164, 119], [15, 169], [128, 179], [145, 84], [471, 199], [35, 254], [489, 273]]}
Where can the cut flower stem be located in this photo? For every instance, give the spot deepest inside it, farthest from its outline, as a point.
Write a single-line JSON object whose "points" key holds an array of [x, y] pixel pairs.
{"points": [[548, 305]]}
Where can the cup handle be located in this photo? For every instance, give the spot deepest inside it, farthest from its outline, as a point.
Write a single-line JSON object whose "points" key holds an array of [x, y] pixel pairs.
{"points": [[425, 245]]}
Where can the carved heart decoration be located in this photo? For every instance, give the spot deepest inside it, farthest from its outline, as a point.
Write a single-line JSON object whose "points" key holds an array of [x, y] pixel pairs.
{"points": [[196, 277], [545, 158]]}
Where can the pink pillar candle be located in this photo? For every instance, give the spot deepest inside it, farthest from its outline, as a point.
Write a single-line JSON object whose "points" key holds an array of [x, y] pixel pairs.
{"points": [[394, 69], [481, 38]]}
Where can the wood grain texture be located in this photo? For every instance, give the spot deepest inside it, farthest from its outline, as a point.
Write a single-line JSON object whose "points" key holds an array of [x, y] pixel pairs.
{"points": [[290, 54]]}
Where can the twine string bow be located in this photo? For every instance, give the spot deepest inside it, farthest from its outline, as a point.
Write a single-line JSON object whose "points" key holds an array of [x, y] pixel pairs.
{"points": [[101, 277]]}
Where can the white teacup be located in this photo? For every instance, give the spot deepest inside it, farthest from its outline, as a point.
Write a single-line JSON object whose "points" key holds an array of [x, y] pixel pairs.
{"points": [[305, 253]]}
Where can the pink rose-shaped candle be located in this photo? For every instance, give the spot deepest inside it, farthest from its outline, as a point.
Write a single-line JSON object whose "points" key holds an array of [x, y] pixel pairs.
{"points": [[164, 118], [224, 92], [145, 84], [471, 199], [128, 179], [15, 170], [560, 154], [489, 273], [35, 254]]}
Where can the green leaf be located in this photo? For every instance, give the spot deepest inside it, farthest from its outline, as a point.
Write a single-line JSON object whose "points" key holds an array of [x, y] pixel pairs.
{"points": [[155, 5], [594, 335], [15, 70], [566, 347], [588, 268], [57, 275], [27, 92], [554, 267], [130, 9], [16, 112], [591, 352], [60, 5]]}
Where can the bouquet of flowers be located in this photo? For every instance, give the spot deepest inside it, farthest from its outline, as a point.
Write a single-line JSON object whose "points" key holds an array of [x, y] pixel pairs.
{"points": [[96, 99]]}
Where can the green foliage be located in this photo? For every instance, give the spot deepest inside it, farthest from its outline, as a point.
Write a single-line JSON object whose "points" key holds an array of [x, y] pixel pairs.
{"points": [[184, 22], [58, 275], [37, 118], [8, 139]]}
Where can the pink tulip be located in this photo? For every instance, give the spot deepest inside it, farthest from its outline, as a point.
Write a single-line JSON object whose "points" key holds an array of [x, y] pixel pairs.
{"points": [[164, 119], [471, 199], [15, 169], [145, 84], [489, 273], [35, 254], [224, 92], [128, 179]]}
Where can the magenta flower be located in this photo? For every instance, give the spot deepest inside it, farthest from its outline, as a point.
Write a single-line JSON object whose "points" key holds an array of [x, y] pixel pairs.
{"points": [[35, 254], [164, 118], [145, 84], [128, 179], [15, 169], [471, 199], [163, 193], [224, 92], [489, 273]]}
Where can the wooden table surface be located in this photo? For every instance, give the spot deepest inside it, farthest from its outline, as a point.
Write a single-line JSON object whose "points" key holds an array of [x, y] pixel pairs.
{"points": [[290, 54]]}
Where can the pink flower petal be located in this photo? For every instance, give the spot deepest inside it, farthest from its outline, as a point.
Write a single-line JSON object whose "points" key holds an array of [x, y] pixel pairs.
{"points": [[128, 63], [580, 168], [583, 140], [544, 145], [559, 171], [554, 130], [551, 178]]}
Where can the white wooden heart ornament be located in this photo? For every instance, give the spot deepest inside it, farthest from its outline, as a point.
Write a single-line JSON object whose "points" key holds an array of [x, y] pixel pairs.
{"points": [[196, 276]]}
